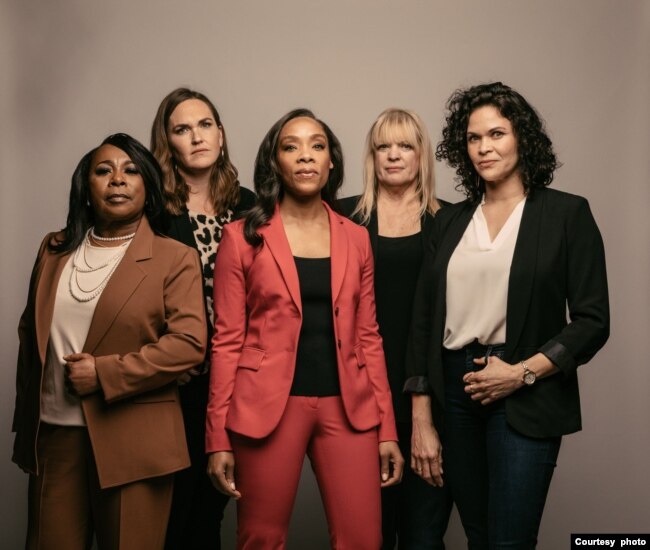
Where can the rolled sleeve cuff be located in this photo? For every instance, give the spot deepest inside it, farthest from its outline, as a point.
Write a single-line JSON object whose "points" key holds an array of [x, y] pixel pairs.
{"points": [[417, 384], [560, 356]]}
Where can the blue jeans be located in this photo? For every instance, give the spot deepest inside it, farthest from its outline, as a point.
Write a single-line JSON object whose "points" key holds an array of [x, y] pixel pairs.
{"points": [[413, 513], [498, 477]]}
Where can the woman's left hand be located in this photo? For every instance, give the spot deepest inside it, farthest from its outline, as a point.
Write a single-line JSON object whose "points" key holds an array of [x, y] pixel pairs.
{"points": [[391, 463], [80, 374], [497, 380]]}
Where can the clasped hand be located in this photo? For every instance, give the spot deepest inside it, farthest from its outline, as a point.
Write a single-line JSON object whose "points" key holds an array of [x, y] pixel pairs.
{"points": [[497, 380], [80, 374]]}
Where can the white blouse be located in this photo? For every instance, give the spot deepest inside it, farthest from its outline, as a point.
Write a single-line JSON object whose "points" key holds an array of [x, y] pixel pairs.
{"points": [[70, 325], [477, 282]]}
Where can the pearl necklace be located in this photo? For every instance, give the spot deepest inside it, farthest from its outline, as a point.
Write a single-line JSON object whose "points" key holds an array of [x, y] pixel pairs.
{"points": [[80, 265], [109, 239]]}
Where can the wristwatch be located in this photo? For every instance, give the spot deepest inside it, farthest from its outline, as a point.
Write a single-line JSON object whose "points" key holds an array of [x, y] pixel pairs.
{"points": [[529, 376]]}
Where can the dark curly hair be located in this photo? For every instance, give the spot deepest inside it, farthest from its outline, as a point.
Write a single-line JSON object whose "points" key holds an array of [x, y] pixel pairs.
{"points": [[80, 212], [537, 160], [268, 179]]}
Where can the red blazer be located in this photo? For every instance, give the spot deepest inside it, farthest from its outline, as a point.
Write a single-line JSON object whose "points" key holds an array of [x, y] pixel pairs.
{"points": [[258, 314]]}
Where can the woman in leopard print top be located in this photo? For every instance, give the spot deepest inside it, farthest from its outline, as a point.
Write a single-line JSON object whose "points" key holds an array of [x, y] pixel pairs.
{"points": [[203, 194]]}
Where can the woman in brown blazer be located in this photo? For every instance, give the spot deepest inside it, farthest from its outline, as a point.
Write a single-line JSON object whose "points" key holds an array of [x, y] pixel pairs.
{"points": [[114, 315]]}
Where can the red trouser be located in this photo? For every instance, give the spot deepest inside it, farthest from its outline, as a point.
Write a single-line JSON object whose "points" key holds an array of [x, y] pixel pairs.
{"points": [[346, 465]]}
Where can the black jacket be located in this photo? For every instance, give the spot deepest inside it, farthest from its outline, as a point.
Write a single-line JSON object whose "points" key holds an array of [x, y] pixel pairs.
{"points": [[348, 205], [401, 403], [558, 261], [180, 228]]}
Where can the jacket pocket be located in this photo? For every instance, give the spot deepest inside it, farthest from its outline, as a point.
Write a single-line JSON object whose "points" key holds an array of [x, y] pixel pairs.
{"points": [[155, 396], [361, 358], [251, 358]]}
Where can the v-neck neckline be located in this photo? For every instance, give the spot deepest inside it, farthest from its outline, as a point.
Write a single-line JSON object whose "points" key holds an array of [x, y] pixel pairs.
{"points": [[483, 233]]}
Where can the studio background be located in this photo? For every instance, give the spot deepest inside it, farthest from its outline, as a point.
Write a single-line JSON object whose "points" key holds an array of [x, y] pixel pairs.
{"points": [[75, 71]]}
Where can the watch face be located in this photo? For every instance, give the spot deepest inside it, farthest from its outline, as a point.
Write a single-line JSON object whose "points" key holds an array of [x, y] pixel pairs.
{"points": [[529, 378]]}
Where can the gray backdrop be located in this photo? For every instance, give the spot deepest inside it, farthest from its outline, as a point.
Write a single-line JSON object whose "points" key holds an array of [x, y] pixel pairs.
{"points": [[74, 71]]}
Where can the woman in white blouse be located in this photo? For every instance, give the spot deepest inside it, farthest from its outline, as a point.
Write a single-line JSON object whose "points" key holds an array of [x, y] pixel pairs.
{"points": [[114, 316], [492, 365]]}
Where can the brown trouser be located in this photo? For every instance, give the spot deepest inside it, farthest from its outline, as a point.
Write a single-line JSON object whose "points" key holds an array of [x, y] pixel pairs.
{"points": [[67, 506]]}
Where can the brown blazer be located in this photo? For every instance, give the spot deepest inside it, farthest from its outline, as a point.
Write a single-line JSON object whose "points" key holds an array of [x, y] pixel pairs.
{"points": [[148, 327]]}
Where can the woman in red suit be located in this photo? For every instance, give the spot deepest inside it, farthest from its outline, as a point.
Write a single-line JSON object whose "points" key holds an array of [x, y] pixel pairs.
{"points": [[297, 360]]}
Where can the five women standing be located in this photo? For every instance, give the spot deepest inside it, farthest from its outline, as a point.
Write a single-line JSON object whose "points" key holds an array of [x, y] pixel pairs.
{"points": [[297, 361]]}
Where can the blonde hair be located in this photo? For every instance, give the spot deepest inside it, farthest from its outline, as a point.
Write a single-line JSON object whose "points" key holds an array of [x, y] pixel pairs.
{"points": [[396, 126], [224, 185]]}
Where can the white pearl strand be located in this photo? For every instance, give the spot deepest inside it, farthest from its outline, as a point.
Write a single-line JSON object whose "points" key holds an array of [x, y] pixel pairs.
{"points": [[109, 239], [79, 259]]}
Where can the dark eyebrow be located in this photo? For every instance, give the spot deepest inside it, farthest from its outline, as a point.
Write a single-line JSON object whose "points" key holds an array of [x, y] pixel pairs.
{"points": [[313, 136], [111, 163], [500, 128]]}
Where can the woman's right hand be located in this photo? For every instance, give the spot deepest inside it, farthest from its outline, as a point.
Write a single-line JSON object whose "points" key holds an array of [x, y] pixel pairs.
{"points": [[187, 376], [426, 450], [221, 471]]}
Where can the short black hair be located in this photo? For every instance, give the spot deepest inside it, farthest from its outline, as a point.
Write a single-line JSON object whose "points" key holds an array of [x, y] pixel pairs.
{"points": [[80, 213], [268, 178]]}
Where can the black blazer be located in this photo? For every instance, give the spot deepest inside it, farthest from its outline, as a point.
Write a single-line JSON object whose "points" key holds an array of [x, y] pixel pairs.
{"points": [[180, 228], [558, 261], [347, 206]]}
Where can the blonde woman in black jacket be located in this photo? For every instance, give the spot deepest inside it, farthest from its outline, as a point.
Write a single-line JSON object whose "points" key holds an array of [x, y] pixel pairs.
{"points": [[397, 206]]}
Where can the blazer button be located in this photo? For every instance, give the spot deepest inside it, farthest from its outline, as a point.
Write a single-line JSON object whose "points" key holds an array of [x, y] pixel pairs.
{"points": [[336, 311], [338, 343]]}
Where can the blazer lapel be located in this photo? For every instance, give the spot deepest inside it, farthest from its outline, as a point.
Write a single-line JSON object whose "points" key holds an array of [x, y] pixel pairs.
{"points": [[338, 251], [46, 288], [452, 237], [278, 244], [522, 269], [126, 278], [373, 230]]}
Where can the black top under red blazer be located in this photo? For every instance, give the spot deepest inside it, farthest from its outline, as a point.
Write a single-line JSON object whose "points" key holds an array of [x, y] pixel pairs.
{"points": [[558, 262]]}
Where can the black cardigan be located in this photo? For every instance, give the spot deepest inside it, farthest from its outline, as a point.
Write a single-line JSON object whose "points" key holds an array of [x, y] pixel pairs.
{"points": [[558, 260], [347, 207], [348, 204], [180, 228]]}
